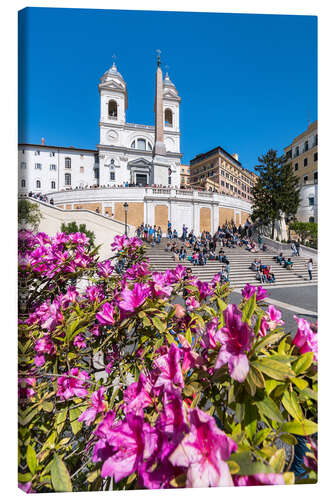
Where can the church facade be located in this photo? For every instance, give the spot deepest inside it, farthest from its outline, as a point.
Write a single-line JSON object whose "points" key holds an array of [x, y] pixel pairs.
{"points": [[127, 153]]}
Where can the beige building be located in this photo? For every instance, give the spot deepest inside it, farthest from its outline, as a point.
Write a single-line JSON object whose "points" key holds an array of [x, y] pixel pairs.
{"points": [[220, 172], [184, 176], [302, 155]]}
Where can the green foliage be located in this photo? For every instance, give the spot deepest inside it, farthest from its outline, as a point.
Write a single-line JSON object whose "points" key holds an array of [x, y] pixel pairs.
{"points": [[29, 214], [306, 231], [72, 227], [276, 190]]}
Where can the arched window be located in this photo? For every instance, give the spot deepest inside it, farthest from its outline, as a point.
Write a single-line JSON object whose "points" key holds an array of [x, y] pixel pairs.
{"points": [[68, 162], [68, 179], [53, 185], [23, 183], [168, 117], [38, 184], [141, 144], [113, 109]]}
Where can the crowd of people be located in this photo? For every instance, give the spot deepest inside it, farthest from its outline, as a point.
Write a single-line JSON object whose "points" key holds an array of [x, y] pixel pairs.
{"points": [[37, 196]]}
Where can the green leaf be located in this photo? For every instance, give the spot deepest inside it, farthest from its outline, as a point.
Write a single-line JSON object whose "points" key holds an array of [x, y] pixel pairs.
{"points": [[270, 385], [24, 478], [288, 438], [289, 478], [299, 382], [233, 467], [93, 475], [249, 308], [47, 406], [31, 459], [188, 336], [261, 436], [256, 377], [303, 363], [304, 428], [269, 409], [289, 401], [60, 419], [161, 327], [277, 461], [60, 477], [273, 368], [247, 467], [250, 420], [74, 414], [308, 393], [272, 338]]}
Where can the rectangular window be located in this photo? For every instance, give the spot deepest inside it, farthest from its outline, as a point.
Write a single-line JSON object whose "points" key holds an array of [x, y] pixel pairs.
{"points": [[37, 153], [68, 180], [305, 162], [315, 157], [52, 153], [53, 167], [296, 167], [305, 179], [112, 176], [227, 175], [315, 177], [169, 181], [296, 152], [311, 202], [38, 166], [222, 183], [23, 164], [227, 185], [306, 146], [53, 185]]}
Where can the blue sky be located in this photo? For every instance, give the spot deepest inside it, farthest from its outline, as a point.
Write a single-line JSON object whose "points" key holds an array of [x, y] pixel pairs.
{"points": [[247, 82]]}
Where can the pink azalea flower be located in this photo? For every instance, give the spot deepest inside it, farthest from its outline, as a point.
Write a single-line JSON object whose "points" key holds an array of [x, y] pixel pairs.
{"points": [[125, 447], [264, 326], [259, 480], [249, 290], [68, 386], [132, 299], [97, 406], [170, 375], [70, 297], [45, 345], [274, 317], [236, 338], [204, 290], [95, 331], [311, 462], [192, 303], [94, 293], [26, 387], [26, 487], [204, 451], [120, 242], [105, 316], [54, 317], [105, 269], [159, 286], [305, 339], [179, 273], [136, 396], [79, 342]]}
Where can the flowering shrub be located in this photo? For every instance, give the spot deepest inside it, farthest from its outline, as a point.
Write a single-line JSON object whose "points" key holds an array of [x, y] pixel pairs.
{"points": [[122, 388]]}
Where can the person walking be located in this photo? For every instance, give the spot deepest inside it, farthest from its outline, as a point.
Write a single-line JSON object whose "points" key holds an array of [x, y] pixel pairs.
{"points": [[298, 247], [309, 265]]}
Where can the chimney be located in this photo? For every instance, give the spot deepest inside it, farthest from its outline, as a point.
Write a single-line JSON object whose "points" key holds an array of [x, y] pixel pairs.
{"points": [[43, 141], [235, 155]]}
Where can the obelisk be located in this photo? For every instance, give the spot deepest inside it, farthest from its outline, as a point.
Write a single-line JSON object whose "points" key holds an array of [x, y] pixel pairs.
{"points": [[159, 147]]}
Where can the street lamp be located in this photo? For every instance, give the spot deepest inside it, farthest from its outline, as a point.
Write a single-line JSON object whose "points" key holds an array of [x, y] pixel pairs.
{"points": [[126, 209]]}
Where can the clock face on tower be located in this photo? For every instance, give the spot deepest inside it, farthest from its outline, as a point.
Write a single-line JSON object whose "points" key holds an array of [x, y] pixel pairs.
{"points": [[112, 136]]}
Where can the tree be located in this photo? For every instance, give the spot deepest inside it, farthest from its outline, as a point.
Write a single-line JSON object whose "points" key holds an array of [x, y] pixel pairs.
{"points": [[306, 230], [72, 227], [29, 214], [276, 190]]}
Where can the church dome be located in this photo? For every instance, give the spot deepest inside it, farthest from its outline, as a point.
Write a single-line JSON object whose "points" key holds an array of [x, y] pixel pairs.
{"points": [[111, 74], [167, 82]]}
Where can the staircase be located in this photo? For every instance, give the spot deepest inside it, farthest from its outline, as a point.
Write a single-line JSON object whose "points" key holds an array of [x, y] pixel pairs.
{"points": [[240, 261]]}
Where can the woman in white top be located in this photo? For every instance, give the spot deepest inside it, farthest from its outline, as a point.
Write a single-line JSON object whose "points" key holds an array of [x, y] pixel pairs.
{"points": [[309, 264]]}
